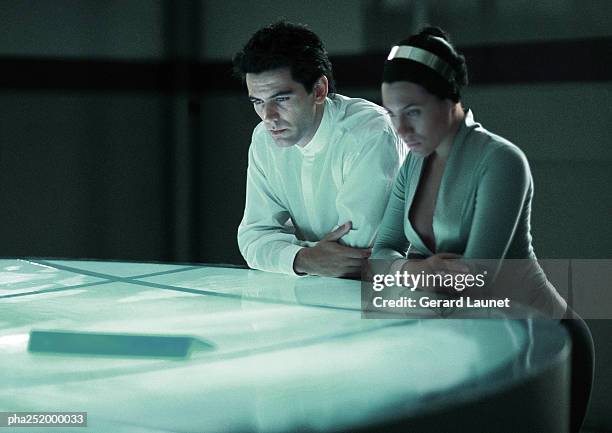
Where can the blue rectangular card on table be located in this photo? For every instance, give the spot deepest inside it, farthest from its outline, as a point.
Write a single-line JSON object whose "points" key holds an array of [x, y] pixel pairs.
{"points": [[124, 345]]}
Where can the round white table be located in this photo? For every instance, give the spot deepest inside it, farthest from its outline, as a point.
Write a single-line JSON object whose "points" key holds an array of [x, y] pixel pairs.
{"points": [[271, 353]]}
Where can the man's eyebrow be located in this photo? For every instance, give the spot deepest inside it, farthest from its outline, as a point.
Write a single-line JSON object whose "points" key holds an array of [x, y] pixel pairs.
{"points": [[282, 93], [276, 95]]}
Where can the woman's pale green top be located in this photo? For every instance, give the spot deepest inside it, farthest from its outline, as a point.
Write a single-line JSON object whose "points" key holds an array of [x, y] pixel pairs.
{"points": [[482, 208], [482, 211]]}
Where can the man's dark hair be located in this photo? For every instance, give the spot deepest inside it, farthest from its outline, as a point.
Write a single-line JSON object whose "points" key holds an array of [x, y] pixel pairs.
{"points": [[282, 45]]}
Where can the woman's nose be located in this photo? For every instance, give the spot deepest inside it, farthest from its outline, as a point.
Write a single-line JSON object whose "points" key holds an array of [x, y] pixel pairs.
{"points": [[404, 126]]}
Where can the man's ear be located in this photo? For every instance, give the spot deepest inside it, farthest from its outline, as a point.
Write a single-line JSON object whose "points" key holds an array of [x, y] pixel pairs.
{"points": [[320, 89]]}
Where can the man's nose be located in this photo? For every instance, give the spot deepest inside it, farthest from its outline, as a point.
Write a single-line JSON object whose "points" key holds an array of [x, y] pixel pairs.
{"points": [[269, 112]]}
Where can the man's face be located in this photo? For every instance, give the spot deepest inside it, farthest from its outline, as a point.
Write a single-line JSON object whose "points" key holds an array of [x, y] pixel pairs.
{"points": [[422, 119], [288, 111]]}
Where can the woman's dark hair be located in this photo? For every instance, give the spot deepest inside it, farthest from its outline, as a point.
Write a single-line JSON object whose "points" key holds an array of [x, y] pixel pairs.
{"points": [[436, 41], [285, 44]]}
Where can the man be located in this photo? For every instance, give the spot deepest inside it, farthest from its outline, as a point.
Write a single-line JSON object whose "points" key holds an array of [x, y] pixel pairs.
{"points": [[321, 165]]}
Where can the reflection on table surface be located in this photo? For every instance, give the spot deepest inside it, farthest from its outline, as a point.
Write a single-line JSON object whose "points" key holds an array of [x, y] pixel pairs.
{"points": [[281, 353]]}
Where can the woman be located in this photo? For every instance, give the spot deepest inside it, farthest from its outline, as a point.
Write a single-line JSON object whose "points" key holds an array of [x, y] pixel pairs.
{"points": [[462, 192]]}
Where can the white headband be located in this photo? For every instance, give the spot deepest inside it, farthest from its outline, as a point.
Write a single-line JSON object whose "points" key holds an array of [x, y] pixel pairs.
{"points": [[424, 57]]}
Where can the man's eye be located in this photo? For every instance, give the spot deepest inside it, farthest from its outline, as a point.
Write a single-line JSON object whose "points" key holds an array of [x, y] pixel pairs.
{"points": [[413, 113], [256, 101], [281, 98]]}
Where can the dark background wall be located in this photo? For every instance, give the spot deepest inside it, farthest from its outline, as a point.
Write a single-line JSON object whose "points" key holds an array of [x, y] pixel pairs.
{"points": [[123, 136]]}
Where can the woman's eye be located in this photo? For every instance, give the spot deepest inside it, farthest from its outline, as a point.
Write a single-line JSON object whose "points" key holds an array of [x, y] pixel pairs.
{"points": [[413, 113]]}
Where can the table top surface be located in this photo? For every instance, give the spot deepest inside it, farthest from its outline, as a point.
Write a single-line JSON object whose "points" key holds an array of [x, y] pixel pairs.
{"points": [[280, 352]]}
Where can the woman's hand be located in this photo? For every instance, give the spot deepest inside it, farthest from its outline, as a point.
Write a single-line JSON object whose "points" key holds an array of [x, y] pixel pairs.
{"points": [[447, 263], [440, 264]]}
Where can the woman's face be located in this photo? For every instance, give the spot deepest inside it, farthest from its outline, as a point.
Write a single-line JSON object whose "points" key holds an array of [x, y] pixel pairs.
{"points": [[422, 119]]}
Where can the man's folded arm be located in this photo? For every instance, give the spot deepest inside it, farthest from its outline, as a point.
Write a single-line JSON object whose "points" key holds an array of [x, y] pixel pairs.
{"points": [[368, 183], [265, 239]]}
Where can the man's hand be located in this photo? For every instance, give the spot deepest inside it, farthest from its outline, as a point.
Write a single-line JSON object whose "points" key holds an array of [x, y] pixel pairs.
{"points": [[330, 259]]}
